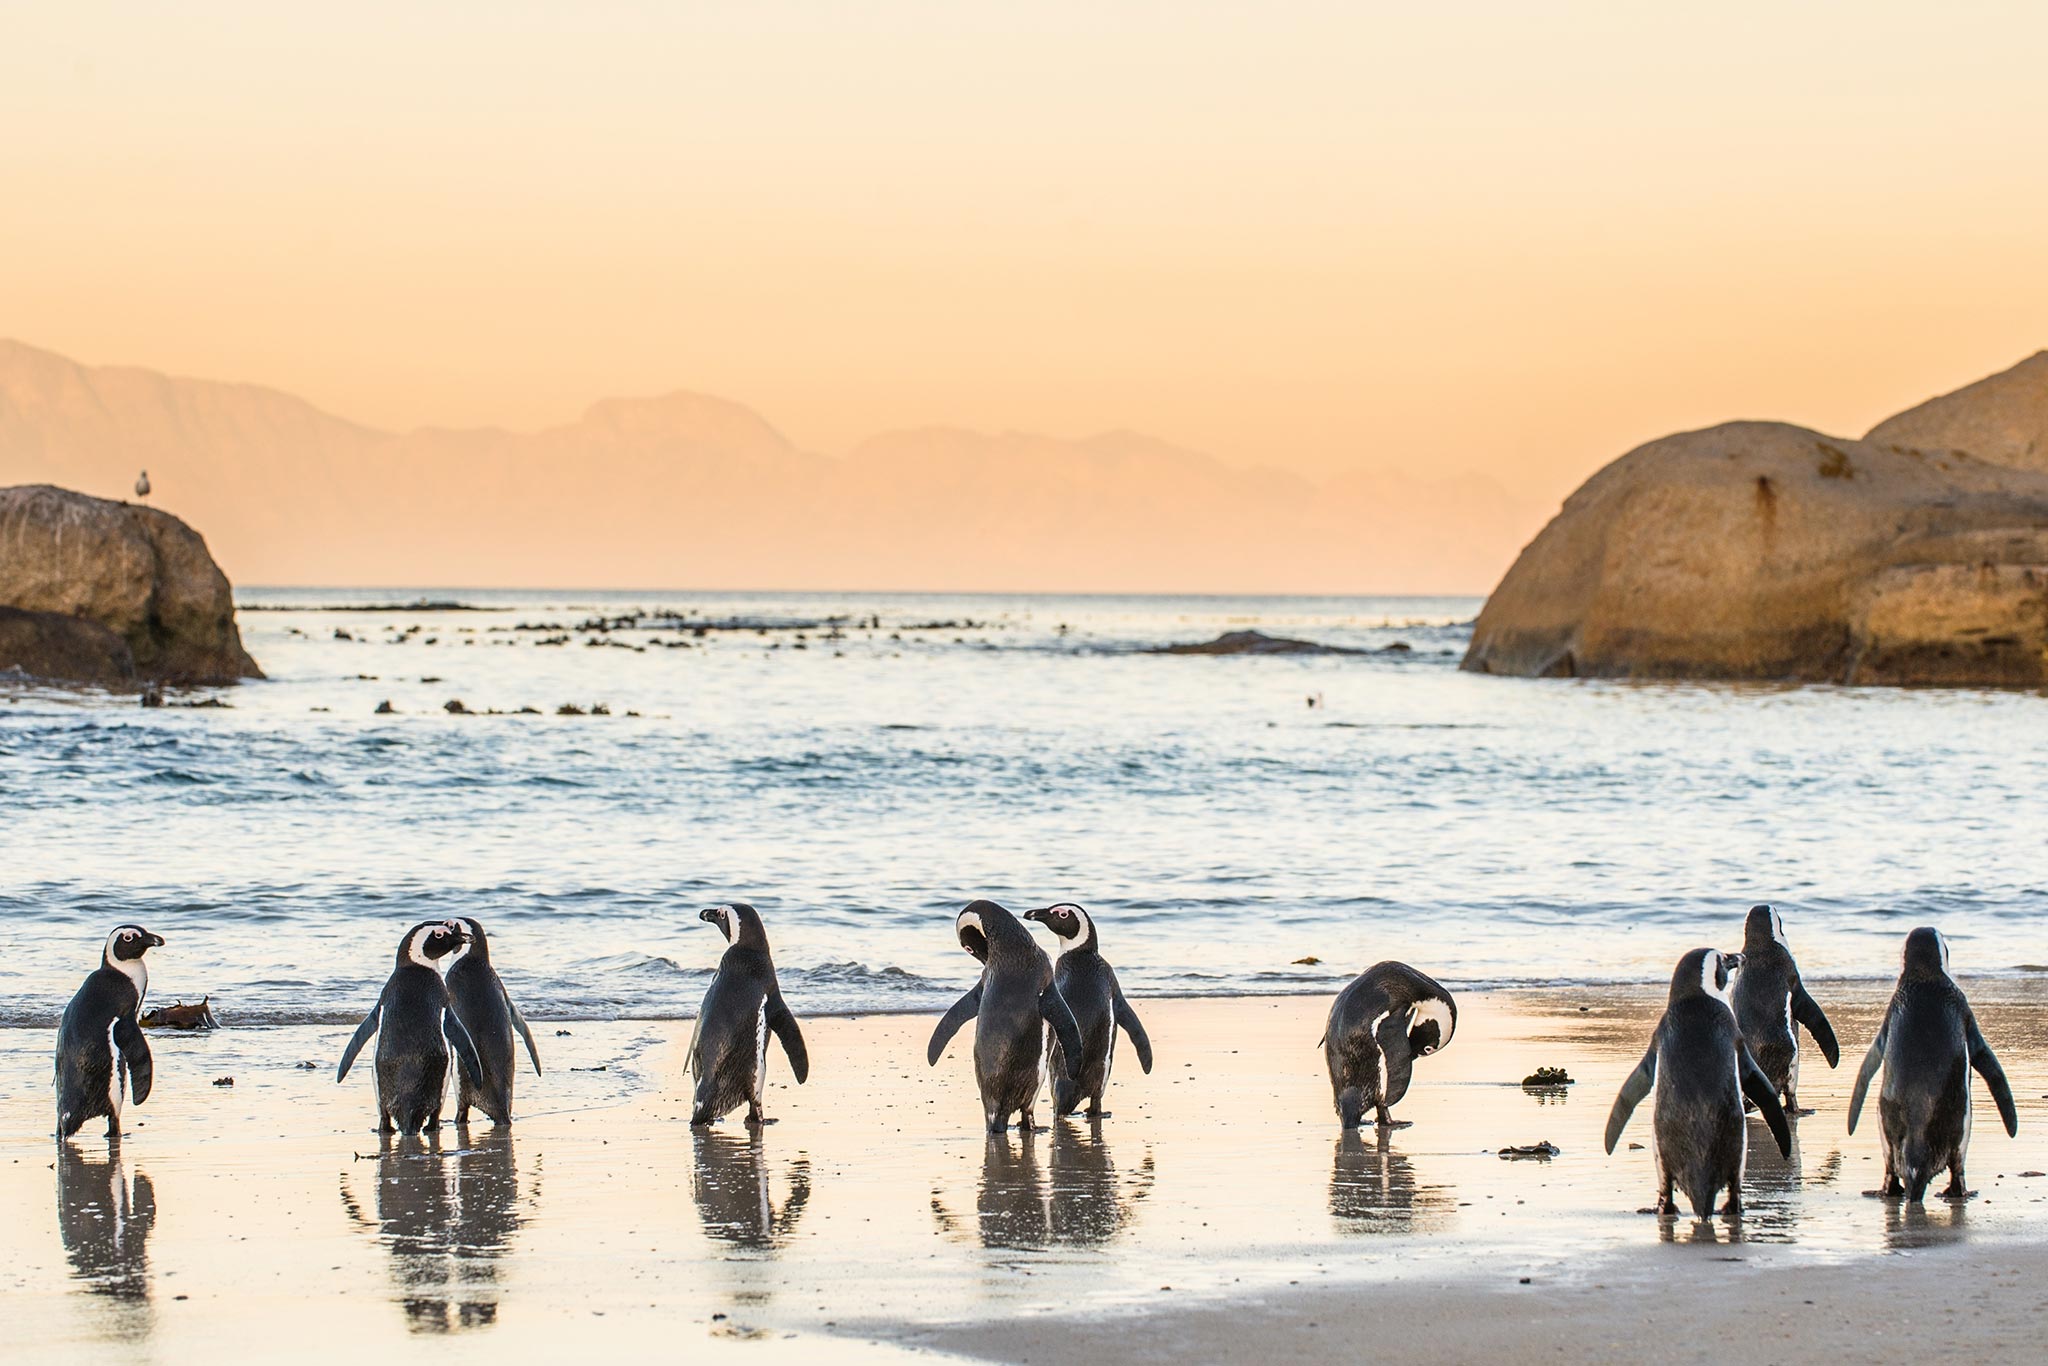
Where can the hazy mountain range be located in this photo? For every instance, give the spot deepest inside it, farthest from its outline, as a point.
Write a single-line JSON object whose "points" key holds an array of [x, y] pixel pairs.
{"points": [[689, 491]]}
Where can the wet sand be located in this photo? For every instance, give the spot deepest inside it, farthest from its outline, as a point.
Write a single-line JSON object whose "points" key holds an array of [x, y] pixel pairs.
{"points": [[876, 1219]]}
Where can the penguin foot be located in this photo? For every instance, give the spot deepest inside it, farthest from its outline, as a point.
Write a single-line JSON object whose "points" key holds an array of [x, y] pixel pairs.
{"points": [[1733, 1209], [1397, 1124], [1956, 1192], [1795, 1113]]}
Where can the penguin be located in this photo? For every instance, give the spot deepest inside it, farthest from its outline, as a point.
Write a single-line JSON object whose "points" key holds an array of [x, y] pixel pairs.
{"points": [[1011, 1006], [1769, 1001], [1388, 1016], [1927, 1044], [100, 1048], [1701, 1070], [729, 1047], [1088, 985], [485, 1009], [416, 1030]]}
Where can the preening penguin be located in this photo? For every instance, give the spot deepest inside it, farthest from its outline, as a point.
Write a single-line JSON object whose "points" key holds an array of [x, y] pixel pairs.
{"points": [[1927, 1044], [100, 1048], [1088, 985], [1701, 1070], [1388, 1016], [1011, 1006], [416, 1030], [1768, 999], [485, 1008], [729, 1047]]}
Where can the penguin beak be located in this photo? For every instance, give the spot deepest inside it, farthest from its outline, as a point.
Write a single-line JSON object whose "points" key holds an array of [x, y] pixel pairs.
{"points": [[156, 941], [1043, 915], [709, 915], [1731, 961]]}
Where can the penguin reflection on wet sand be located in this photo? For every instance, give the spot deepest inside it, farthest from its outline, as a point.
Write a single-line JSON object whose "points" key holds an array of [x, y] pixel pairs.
{"points": [[1088, 985], [1373, 1189], [1011, 1006], [1701, 1070], [1388, 1016], [417, 1030], [480, 1001], [1770, 1002], [729, 1046], [730, 1183], [1927, 1044], [100, 1048], [105, 1222], [446, 1218]]}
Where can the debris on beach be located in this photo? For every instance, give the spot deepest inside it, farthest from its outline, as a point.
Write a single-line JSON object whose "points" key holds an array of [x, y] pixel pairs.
{"points": [[453, 706], [1547, 1077], [178, 1015], [1542, 1151], [306, 1066], [1308, 962], [223, 1081]]}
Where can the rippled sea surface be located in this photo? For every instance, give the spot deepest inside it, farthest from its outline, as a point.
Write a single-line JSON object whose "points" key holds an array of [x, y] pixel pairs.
{"points": [[859, 765]]}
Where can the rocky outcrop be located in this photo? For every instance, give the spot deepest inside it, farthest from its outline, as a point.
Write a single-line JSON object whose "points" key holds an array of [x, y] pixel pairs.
{"points": [[1758, 550], [141, 576], [1255, 643]]}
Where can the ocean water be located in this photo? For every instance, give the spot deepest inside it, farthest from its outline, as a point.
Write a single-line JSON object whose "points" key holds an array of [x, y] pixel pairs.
{"points": [[859, 765]]}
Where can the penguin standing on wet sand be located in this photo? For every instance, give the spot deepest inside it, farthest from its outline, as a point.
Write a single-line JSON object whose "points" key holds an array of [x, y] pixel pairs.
{"points": [[100, 1047], [729, 1046], [1769, 1000], [1701, 1070], [1011, 1006], [485, 1008], [416, 1031], [1927, 1044], [1388, 1016], [1088, 985]]}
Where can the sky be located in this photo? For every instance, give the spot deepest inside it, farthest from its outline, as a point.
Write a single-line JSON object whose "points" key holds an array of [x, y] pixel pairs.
{"points": [[1505, 238]]}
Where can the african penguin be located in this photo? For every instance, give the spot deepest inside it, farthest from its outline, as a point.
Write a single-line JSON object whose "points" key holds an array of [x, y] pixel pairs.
{"points": [[485, 1008], [729, 1047], [100, 1047], [1927, 1044], [1088, 985], [1769, 1000], [1701, 1070], [1388, 1016], [1011, 1006], [416, 1031]]}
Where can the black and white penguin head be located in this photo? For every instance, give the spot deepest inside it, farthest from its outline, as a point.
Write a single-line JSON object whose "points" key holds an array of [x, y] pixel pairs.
{"points": [[983, 926], [738, 922], [1705, 972], [128, 943], [1925, 954], [1431, 1022], [475, 944], [1763, 928], [428, 942], [972, 930], [1074, 927]]}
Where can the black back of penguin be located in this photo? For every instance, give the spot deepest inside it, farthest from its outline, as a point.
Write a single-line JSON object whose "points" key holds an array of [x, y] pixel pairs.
{"points": [[1381, 1022], [1011, 1005], [416, 1031], [741, 1007], [1771, 1002], [478, 997], [101, 1051], [1089, 986]]}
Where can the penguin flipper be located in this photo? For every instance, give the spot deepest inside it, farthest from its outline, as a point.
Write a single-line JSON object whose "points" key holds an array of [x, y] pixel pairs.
{"points": [[1986, 1063], [519, 1023], [1053, 1007], [135, 1056], [363, 1032], [964, 1009], [785, 1027], [1807, 1011], [1127, 1020], [1871, 1062], [1632, 1092], [1759, 1089], [458, 1038], [1397, 1063]]}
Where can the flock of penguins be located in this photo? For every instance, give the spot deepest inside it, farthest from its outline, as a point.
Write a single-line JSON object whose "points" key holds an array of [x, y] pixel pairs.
{"points": [[1728, 1040]]}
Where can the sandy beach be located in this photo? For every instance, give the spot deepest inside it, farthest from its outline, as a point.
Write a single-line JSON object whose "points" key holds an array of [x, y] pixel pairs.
{"points": [[1217, 1212]]}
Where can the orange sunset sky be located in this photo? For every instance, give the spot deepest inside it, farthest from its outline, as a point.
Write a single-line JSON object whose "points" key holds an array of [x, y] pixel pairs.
{"points": [[1335, 241]]}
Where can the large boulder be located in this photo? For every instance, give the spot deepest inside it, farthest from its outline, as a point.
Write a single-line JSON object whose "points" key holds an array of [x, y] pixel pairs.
{"points": [[142, 575], [1758, 550]]}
